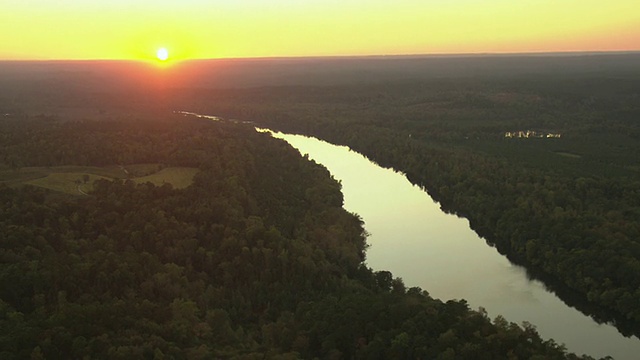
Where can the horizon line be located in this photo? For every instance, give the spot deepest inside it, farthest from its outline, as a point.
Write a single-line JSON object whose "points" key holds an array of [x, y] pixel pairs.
{"points": [[329, 57]]}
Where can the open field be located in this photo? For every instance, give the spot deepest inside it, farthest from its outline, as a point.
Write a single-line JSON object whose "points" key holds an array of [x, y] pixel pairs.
{"points": [[31, 173], [17, 176], [179, 177], [78, 180], [67, 182], [568, 154], [138, 170]]}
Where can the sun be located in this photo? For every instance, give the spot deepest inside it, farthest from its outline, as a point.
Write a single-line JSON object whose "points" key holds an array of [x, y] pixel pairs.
{"points": [[162, 54]]}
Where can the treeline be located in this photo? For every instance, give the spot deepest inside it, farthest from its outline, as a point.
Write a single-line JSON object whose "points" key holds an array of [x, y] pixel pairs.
{"points": [[257, 259], [582, 231], [574, 220]]}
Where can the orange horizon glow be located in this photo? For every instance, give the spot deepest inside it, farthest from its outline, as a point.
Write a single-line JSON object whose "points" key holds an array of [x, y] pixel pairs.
{"points": [[196, 29]]}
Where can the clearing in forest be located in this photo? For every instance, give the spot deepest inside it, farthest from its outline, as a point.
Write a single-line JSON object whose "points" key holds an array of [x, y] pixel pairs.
{"points": [[78, 180]]}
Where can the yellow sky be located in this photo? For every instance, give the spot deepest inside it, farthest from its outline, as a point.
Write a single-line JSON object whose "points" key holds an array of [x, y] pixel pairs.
{"points": [[189, 29]]}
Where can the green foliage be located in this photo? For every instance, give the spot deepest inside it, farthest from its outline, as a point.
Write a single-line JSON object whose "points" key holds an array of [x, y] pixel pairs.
{"points": [[572, 220], [255, 259]]}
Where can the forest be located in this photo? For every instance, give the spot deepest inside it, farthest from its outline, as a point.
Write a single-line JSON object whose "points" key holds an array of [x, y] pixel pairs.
{"points": [[255, 259], [566, 207]]}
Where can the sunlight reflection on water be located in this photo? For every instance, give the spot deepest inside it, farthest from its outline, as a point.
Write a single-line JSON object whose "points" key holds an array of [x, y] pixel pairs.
{"points": [[414, 239]]}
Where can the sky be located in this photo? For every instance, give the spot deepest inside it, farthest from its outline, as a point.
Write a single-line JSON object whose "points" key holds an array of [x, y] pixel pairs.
{"points": [[199, 29]]}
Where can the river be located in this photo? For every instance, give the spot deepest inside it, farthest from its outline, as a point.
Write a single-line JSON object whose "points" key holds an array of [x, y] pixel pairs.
{"points": [[439, 252]]}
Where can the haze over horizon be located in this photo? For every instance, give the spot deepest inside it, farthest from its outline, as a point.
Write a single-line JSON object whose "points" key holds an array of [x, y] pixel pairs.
{"points": [[196, 29]]}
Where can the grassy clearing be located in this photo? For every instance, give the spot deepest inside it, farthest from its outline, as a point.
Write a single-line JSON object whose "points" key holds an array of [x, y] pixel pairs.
{"points": [[568, 154], [77, 180], [11, 177], [68, 182], [139, 170], [31, 173], [113, 172], [179, 177]]}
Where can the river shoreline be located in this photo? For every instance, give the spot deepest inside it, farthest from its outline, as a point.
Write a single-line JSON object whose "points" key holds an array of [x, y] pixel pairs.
{"points": [[493, 281]]}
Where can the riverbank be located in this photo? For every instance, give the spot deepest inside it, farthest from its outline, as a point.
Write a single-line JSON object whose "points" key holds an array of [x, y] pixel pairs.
{"points": [[416, 240]]}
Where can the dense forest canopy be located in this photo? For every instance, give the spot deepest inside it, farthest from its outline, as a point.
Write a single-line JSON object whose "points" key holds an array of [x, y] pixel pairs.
{"points": [[564, 204], [255, 259]]}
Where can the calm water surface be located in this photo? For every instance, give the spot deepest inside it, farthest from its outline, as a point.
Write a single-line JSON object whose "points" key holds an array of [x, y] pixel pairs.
{"points": [[415, 240]]}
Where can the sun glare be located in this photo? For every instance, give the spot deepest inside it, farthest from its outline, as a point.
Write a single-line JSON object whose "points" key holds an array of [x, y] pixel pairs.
{"points": [[162, 54]]}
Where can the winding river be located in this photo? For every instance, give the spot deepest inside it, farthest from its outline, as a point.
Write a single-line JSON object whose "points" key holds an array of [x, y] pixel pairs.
{"points": [[415, 240]]}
